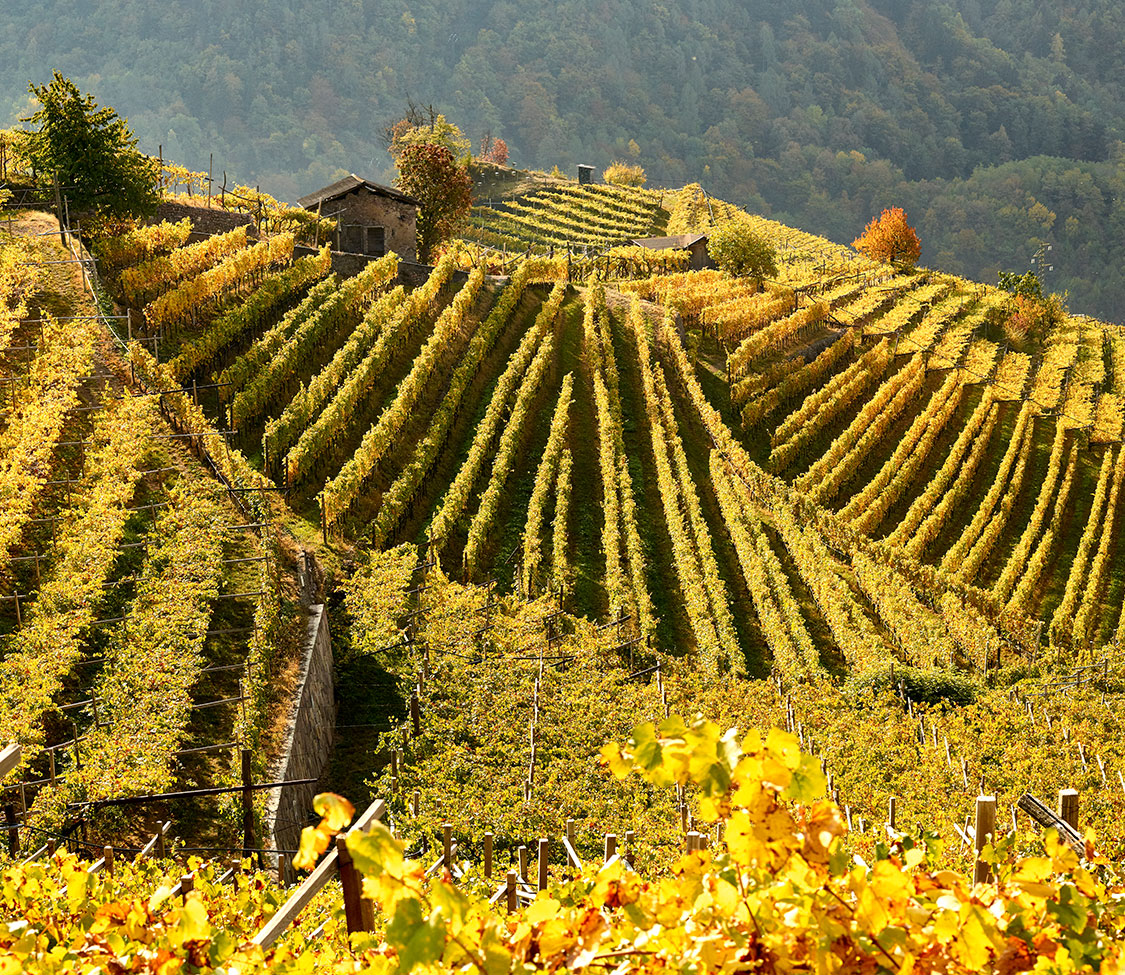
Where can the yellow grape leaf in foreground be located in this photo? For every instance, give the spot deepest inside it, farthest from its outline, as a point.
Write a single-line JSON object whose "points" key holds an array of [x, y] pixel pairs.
{"points": [[335, 810]]}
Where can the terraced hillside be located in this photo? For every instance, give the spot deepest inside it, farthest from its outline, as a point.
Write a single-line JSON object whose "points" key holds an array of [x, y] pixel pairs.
{"points": [[140, 606], [562, 502], [565, 215], [881, 437]]}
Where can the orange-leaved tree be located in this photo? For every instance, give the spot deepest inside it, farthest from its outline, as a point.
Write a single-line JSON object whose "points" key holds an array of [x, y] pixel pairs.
{"points": [[890, 238]]}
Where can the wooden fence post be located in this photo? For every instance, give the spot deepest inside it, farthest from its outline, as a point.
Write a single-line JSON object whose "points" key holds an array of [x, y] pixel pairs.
{"points": [[247, 804], [522, 851], [610, 846], [511, 892], [891, 811], [352, 884], [13, 831], [1068, 806], [107, 854], [415, 716], [985, 830], [160, 851], [488, 856], [544, 850], [187, 884]]}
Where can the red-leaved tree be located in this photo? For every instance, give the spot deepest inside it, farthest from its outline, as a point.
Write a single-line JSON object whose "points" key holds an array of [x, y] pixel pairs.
{"points": [[890, 238], [431, 175], [498, 153], [493, 150]]}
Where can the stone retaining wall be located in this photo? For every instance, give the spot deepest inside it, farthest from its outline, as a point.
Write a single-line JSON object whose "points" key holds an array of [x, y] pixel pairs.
{"points": [[206, 221], [308, 737]]}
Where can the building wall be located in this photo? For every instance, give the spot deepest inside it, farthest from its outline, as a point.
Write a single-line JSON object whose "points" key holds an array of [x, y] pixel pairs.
{"points": [[700, 259], [364, 208]]}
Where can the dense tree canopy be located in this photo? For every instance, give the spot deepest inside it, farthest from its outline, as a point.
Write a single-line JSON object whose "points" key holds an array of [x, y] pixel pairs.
{"points": [[736, 249]]}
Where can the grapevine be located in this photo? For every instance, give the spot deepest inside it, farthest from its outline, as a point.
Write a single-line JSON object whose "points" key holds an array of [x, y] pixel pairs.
{"points": [[325, 328], [402, 492], [457, 496], [277, 291], [545, 475]]}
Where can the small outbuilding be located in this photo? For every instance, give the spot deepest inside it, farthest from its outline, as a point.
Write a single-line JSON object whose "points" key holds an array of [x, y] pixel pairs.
{"points": [[694, 244], [370, 218]]}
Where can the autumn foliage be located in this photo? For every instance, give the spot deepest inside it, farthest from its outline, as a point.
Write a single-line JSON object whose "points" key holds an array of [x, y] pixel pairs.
{"points": [[431, 175], [494, 150], [624, 174], [888, 237]]}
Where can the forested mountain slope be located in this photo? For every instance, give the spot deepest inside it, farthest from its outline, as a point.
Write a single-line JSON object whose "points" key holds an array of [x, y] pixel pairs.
{"points": [[996, 125]]}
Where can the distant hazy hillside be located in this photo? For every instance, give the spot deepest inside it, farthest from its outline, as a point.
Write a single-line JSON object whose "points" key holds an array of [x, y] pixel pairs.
{"points": [[995, 124]]}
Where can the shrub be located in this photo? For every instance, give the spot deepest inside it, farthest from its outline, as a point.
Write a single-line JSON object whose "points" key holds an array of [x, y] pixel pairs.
{"points": [[928, 686], [624, 174]]}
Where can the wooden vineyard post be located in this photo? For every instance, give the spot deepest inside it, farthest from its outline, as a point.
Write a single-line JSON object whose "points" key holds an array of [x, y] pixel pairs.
{"points": [[1068, 806], [187, 885], [13, 831], [107, 854], [630, 843], [247, 804], [511, 891], [544, 852], [610, 846], [892, 804], [488, 856], [415, 717], [352, 884], [985, 829], [522, 851], [160, 851]]}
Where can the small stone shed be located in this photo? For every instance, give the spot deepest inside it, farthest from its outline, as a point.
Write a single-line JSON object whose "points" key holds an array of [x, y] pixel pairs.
{"points": [[370, 218], [695, 244]]}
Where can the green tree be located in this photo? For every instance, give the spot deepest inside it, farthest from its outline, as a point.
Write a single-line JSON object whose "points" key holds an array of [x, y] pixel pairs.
{"points": [[431, 175], [90, 151], [1026, 285], [736, 249], [425, 126]]}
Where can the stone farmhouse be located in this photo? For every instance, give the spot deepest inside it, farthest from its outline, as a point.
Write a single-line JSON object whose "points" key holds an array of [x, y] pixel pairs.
{"points": [[370, 218]]}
